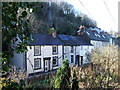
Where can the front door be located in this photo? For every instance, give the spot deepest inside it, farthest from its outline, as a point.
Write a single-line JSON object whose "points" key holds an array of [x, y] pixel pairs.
{"points": [[77, 60], [81, 60], [46, 65]]}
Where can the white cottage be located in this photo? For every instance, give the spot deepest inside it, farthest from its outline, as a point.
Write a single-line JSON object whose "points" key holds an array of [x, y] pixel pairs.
{"points": [[46, 53], [75, 49]]}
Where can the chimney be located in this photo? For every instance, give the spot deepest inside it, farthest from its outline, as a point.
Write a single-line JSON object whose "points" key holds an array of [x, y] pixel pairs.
{"points": [[54, 34], [81, 30]]}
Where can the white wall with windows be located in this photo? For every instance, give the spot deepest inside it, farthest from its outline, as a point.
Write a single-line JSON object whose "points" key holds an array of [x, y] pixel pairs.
{"points": [[70, 52], [37, 55]]}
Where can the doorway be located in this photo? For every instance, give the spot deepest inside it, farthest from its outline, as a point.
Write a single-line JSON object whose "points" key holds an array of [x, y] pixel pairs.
{"points": [[46, 64], [77, 59]]}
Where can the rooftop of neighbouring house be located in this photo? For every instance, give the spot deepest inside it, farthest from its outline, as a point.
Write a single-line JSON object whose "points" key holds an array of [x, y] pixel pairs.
{"points": [[97, 34], [60, 39]]}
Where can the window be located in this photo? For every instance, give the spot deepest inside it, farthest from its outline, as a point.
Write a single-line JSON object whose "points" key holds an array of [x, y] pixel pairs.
{"points": [[55, 49], [55, 61], [37, 50], [72, 59], [81, 59], [65, 49], [99, 35], [96, 35], [72, 49], [88, 47], [37, 63], [103, 36], [81, 47], [88, 33]]}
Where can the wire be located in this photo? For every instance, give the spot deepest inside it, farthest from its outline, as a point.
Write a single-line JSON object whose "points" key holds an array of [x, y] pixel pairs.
{"points": [[85, 9], [109, 12]]}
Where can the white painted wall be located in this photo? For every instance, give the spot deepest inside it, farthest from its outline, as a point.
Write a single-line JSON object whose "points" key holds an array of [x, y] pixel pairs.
{"points": [[46, 52], [78, 50], [98, 44]]}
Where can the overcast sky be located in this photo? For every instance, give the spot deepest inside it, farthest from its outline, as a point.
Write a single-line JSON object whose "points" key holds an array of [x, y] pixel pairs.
{"points": [[98, 11]]}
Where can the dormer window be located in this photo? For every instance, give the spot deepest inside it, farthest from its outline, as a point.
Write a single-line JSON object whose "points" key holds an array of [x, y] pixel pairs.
{"points": [[88, 33], [55, 49], [103, 36], [37, 50], [98, 35], [95, 34]]}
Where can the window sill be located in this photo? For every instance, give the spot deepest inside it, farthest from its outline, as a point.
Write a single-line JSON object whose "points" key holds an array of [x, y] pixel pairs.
{"points": [[37, 55], [37, 68], [54, 53], [55, 65]]}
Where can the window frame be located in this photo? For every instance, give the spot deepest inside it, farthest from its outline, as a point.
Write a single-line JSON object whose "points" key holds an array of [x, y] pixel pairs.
{"points": [[57, 61], [56, 49], [81, 47], [39, 51], [88, 47], [39, 60]]}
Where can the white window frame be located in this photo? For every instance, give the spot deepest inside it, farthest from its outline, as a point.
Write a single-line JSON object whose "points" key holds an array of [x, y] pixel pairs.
{"points": [[65, 49], [37, 61], [39, 50], [81, 47], [56, 51], [57, 61]]}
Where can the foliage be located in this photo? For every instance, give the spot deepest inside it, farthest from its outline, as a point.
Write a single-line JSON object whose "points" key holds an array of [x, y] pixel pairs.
{"points": [[107, 57], [15, 17], [15, 80], [62, 17], [10, 84], [62, 76], [87, 22], [104, 71], [51, 30], [47, 82], [75, 82]]}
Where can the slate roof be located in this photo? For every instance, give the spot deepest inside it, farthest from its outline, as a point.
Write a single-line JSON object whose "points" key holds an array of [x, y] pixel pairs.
{"points": [[98, 36], [80, 40], [45, 39], [60, 39], [67, 40]]}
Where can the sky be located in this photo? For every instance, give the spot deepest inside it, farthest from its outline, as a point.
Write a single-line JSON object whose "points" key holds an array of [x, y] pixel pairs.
{"points": [[96, 10]]}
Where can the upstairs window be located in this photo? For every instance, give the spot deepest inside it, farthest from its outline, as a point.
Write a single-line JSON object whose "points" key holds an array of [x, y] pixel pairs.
{"points": [[88, 47], [65, 49], [55, 49], [72, 59], [37, 63], [81, 47], [55, 61], [72, 49], [37, 50]]}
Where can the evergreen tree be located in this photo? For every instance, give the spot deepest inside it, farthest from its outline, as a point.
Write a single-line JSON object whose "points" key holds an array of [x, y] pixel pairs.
{"points": [[63, 76]]}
